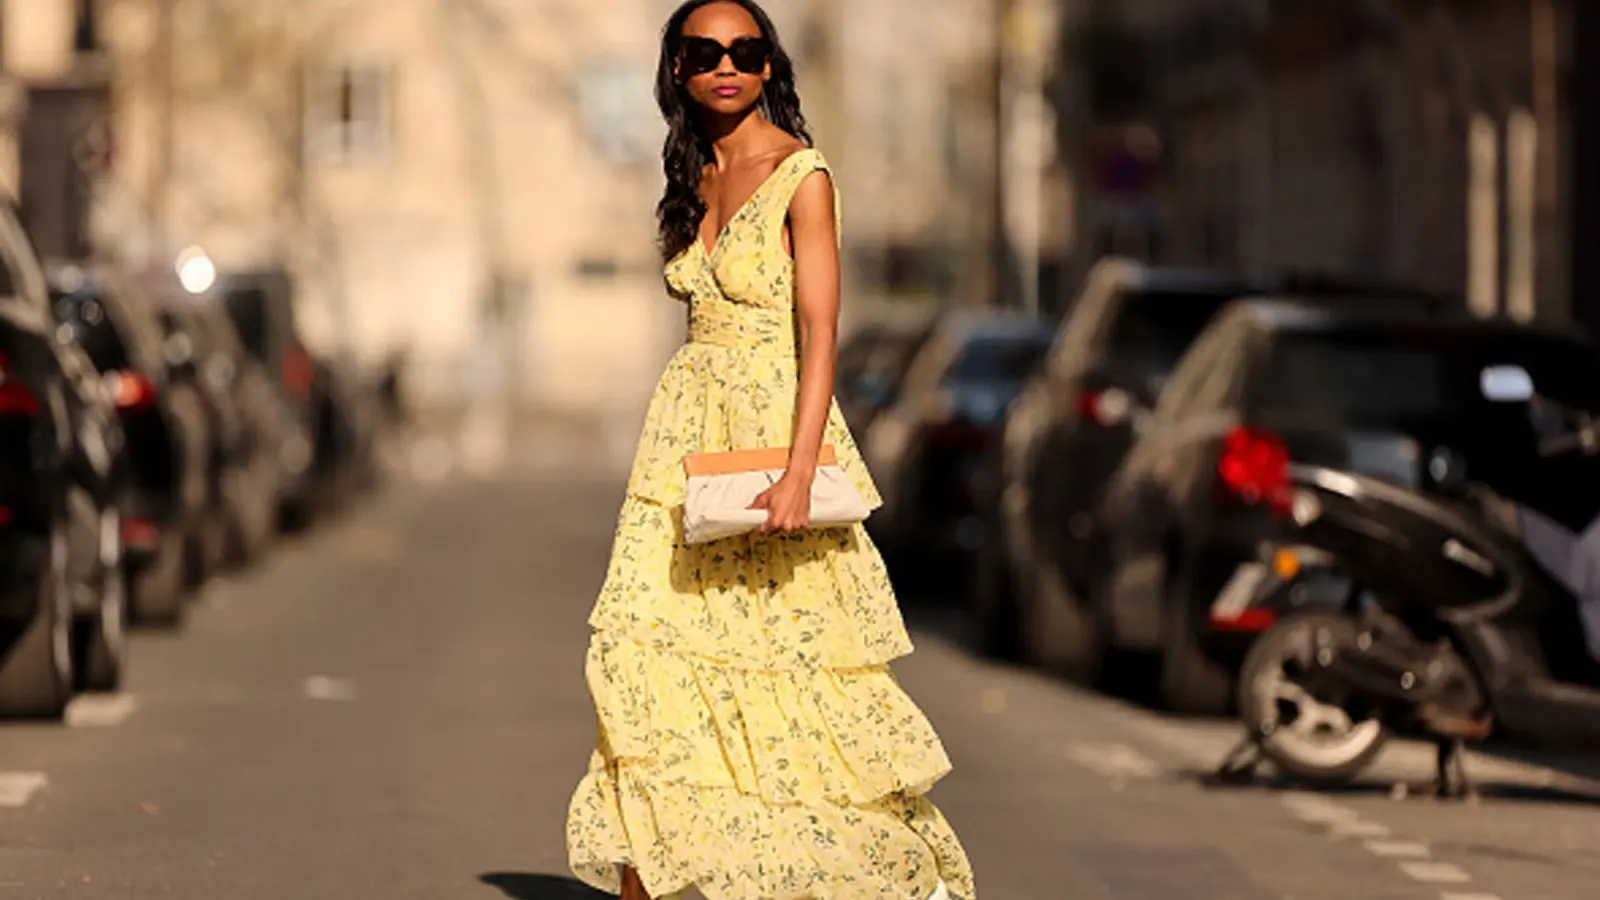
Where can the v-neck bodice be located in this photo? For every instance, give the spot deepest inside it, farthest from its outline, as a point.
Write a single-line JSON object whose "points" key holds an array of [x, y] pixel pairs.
{"points": [[746, 262], [733, 385]]}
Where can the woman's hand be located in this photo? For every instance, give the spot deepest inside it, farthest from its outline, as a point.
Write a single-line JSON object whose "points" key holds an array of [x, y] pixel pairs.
{"points": [[788, 503]]}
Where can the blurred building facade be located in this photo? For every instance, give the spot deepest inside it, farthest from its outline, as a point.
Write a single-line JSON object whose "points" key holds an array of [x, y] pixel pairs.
{"points": [[54, 117], [1425, 142]]}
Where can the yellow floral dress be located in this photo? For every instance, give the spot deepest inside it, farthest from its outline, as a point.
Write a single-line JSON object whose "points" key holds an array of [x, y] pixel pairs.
{"points": [[752, 740]]}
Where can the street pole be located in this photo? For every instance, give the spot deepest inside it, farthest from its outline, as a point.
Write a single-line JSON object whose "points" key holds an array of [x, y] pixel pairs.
{"points": [[1549, 236], [486, 434], [163, 54], [1483, 214]]}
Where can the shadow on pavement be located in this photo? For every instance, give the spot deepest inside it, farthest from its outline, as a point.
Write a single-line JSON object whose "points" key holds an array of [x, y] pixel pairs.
{"points": [[532, 886]]}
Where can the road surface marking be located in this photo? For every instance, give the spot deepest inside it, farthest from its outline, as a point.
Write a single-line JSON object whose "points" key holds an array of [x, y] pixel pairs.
{"points": [[100, 710], [1316, 809], [1398, 849], [321, 687], [1359, 829], [1435, 872], [17, 788], [1117, 762]]}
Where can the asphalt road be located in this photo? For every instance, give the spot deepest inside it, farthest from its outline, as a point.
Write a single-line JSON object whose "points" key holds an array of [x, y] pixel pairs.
{"points": [[394, 708]]}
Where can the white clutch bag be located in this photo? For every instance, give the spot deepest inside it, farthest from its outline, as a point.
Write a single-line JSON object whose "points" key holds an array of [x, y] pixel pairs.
{"points": [[723, 485]]}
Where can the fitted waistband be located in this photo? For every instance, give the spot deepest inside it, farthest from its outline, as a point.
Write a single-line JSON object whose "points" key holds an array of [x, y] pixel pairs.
{"points": [[738, 326]]}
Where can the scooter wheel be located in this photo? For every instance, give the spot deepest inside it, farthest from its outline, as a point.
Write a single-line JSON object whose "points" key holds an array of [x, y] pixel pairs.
{"points": [[1308, 731]]}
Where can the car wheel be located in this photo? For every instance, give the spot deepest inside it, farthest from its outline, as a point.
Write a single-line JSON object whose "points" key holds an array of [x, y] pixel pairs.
{"points": [[1057, 634], [36, 672], [156, 595], [1191, 682], [102, 640]]}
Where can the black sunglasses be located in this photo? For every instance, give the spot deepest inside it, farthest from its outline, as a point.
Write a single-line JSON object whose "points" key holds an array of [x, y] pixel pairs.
{"points": [[700, 55]]}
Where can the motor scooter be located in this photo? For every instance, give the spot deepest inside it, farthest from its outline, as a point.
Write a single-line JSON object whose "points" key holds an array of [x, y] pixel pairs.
{"points": [[1453, 611]]}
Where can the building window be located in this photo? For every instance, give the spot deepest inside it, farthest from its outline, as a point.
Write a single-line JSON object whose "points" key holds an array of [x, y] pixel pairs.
{"points": [[348, 113]]}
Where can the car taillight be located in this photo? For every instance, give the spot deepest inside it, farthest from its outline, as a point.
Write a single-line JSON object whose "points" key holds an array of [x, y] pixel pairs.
{"points": [[15, 399], [297, 371], [957, 433], [131, 390], [1105, 408], [1255, 468]]}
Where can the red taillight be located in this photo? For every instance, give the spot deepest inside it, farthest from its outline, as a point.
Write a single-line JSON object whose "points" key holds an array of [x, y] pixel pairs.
{"points": [[1255, 467], [1248, 620], [131, 390], [1106, 408], [140, 534], [297, 371], [14, 398]]}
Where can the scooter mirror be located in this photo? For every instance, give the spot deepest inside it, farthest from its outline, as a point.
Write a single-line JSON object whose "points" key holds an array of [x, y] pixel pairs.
{"points": [[1506, 384]]}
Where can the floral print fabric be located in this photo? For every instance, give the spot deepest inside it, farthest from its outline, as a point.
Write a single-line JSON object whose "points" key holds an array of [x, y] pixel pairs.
{"points": [[753, 742]]}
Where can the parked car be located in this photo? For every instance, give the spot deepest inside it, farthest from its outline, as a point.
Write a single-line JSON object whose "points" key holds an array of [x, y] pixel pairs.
{"points": [[872, 364], [1074, 422], [1066, 432], [1368, 392], [255, 491], [164, 422], [202, 350], [261, 307], [62, 468], [931, 449]]}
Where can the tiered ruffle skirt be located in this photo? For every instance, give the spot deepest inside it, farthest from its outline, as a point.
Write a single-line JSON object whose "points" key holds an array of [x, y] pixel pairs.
{"points": [[752, 739]]}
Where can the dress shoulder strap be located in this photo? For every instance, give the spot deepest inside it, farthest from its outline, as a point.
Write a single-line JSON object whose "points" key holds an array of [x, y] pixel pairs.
{"points": [[792, 172]]}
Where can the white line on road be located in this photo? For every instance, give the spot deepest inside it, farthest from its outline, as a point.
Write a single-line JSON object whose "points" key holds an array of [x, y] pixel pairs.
{"points": [[1117, 762], [1359, 829], [17, 788], [1398, 849], [321, 687], [1435, 872], [100, 710]]}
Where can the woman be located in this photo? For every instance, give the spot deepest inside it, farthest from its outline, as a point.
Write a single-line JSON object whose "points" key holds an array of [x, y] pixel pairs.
{"points": [[752, 741]]}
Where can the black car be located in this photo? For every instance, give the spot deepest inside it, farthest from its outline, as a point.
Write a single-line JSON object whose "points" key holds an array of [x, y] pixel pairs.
{"points": [[164, 422], [1269, 384], [1071, 426], [261, 307], [62, 467], [260, 413], [872, 364], [932, 448], [1066, 432]]}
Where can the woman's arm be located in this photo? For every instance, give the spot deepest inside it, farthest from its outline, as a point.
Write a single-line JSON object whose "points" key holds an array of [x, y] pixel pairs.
{"points": [[815, 242]]}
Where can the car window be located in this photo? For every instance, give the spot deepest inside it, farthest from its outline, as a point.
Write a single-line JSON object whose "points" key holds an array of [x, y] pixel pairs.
{"points": [[998, 357], [1380, 376], [1151, 330]]}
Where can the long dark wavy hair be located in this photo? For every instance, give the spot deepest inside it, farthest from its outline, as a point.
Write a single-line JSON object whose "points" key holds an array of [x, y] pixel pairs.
{"points": [[687, 150]]}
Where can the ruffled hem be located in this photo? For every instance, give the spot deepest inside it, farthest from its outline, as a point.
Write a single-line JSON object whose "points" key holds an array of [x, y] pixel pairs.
{"points": [[820, 598], [732, 846], [803, 735], [713, 398]]}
